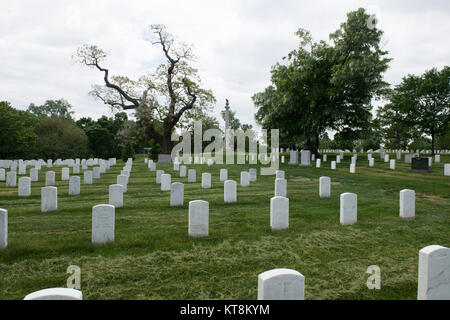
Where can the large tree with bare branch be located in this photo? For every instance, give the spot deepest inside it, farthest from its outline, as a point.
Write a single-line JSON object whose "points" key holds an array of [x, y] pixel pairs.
{"points": [[162, 100]]}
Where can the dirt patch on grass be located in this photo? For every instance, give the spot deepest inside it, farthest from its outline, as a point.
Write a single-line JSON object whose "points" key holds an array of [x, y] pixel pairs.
{"points": [[300, 179], [432, 198], [335, 183]]}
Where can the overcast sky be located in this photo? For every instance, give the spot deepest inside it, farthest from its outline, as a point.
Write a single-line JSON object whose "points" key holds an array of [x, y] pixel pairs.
{"points": [[236, 43]]}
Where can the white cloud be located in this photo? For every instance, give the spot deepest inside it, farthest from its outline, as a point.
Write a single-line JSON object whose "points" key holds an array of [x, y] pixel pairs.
{"points": [[236, 43]]}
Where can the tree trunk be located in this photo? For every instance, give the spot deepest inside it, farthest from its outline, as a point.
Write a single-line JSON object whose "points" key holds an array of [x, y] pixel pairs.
{"points": [[313, 146], [166, 143], [397, 137], [432, 144]]}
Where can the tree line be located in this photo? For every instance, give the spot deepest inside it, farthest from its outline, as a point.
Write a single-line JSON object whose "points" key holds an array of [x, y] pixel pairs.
{"points": [[49, 131], [321, 87]]}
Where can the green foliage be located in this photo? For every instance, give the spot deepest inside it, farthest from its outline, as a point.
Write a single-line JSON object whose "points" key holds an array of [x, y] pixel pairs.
{"points": [[60, 138], [443, 140], [17, 135], [325, 86], [154, 152], [128, 151], [103, 134], [419, 106], [52, 108]]}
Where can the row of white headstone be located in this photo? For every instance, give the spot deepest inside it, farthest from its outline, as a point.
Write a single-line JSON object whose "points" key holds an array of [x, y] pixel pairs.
{"points": [[372, 163], [288, 284], [49, 194], [24, 188], [15, 164]]}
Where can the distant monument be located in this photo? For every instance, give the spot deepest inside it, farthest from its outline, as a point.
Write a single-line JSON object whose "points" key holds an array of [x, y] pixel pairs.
{"points": [[228, 147]]}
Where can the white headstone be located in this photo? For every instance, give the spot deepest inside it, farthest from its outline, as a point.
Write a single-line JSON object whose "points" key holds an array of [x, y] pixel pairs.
{"points": [[352, 168], [230, 191], [223, 174], [281, 284], [407, 204], [324, 187], [11, 179], [371, 162], [192, 175], [34, 174], [159, 173], [49, 199], [386, 158], [176, 166], [50, 178], [74, 185], [165, 182], [437, 158], [103, 223], [317, 163], [447, 169], [348, 208], [182, 171], [279, 213], [198, 218], [206, 180], [338, 159], [324, 158], [333, 165], [434, 273], [55, 294], [3, 229], [2, 174], [392, 164], [87, 177], [123, 181], [96, 173], [116, 195], [24, 187], [65, 172], [280, 187], [245, 179], [177, 194]]}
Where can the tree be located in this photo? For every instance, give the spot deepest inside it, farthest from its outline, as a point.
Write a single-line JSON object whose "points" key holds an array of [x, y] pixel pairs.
{"points": [[17, 135], [52, 108], [426, 99], [61, 138], [128, 151], [323, 86], [164, 97], [396, 127], [233, 122], [104, 140], [443, 140]]}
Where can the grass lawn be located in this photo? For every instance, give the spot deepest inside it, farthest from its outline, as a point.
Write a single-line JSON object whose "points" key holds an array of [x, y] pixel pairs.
{"points": [[153, 257]]}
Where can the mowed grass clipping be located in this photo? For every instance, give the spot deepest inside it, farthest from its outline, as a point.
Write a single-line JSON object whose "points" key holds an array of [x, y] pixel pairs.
{"points": [[154, 258]]}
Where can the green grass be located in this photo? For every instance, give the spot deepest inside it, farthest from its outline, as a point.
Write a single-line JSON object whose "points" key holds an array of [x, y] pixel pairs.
{"points": [[153, 257]]}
